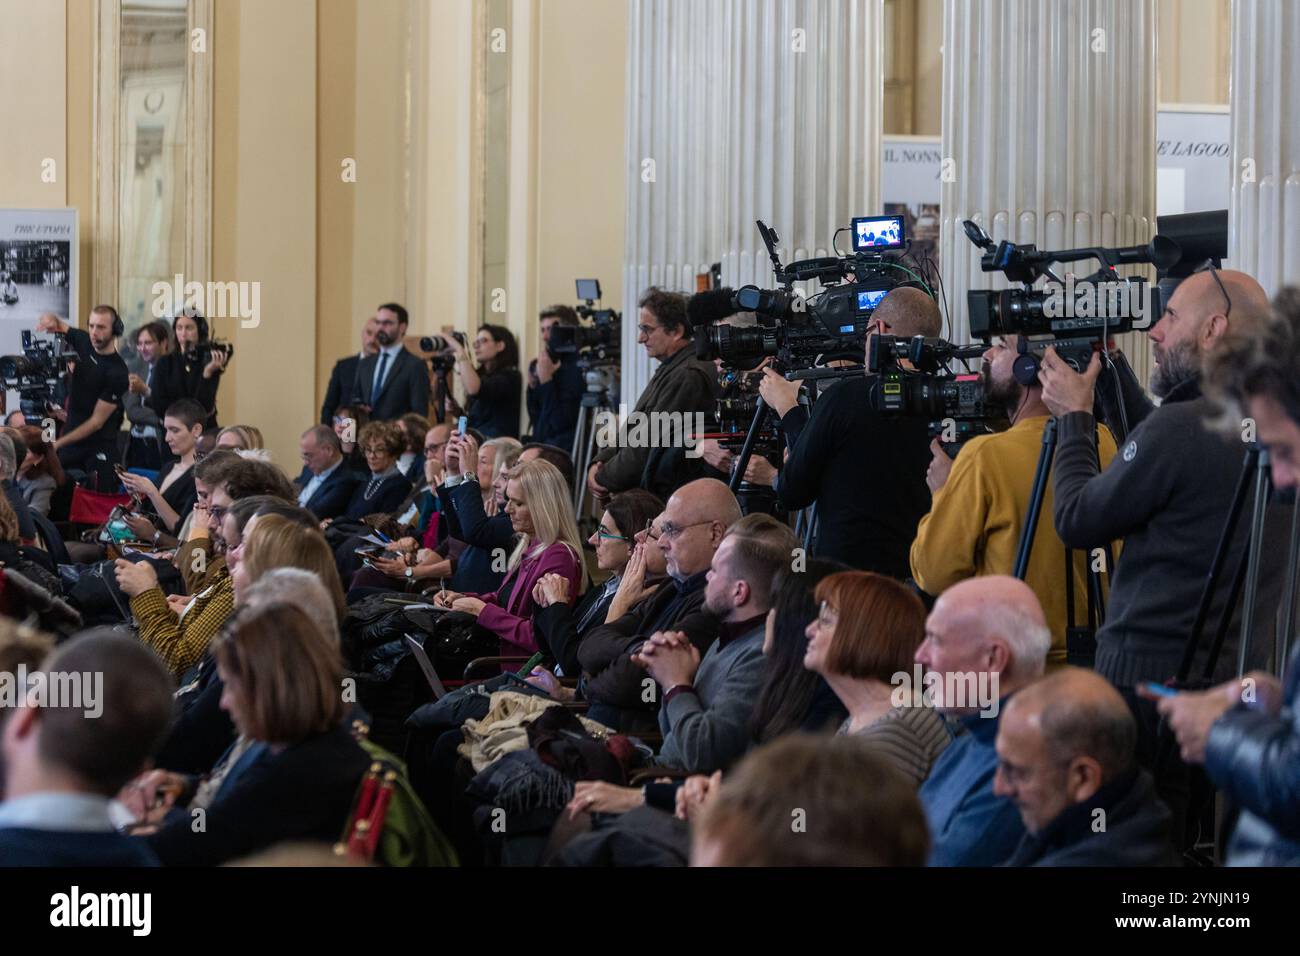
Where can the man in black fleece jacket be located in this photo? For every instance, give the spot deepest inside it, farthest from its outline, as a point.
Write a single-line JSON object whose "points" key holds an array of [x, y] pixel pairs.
{"points": [[1167, 494], [865, 471]]}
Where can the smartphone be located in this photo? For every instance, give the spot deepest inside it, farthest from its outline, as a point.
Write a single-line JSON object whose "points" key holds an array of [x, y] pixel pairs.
{"points": [[1159, 690], [460, 425], [377, 553]]}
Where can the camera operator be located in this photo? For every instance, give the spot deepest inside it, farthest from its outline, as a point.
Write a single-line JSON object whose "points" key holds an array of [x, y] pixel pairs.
{"points": [[96, 387], [981, 500], [192, 371], [1167, 494], [555, 385], [143, 449], [865, 471], [682, 383], [1248, 733], [492, 388]]}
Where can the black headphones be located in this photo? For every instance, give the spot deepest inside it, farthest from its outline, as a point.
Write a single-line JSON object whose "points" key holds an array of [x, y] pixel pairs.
{"points": [[118, 328], [197, 317], [1027, 364]]}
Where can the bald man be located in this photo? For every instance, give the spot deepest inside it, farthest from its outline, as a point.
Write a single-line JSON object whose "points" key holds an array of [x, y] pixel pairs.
{"points": [[985, 639], [865, 471], [691, 529], [343, 387], [1066, 760], [1167, 494]]}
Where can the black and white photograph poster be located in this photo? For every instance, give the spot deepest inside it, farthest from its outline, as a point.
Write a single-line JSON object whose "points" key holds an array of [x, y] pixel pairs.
{"points": [[38, 270]]}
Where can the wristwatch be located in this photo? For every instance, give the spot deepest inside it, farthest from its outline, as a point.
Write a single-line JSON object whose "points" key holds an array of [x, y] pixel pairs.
{"points": [[157, 536], [410, 574]]}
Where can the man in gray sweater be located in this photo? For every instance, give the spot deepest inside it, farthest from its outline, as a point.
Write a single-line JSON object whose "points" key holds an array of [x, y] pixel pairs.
{"points": [[707, 702], [1167, 494]]}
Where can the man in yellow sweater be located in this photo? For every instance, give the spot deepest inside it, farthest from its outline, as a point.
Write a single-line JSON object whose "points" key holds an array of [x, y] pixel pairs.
{"points": [[981, 498]]}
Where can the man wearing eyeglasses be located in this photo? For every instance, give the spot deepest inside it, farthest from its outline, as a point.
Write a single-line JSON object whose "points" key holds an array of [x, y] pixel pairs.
{"points": [[682, 384], [1167, 494]]}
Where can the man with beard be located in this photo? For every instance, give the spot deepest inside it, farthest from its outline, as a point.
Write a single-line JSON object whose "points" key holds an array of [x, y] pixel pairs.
{"points": [[393, 382], [981, 500], [1167, 495]]}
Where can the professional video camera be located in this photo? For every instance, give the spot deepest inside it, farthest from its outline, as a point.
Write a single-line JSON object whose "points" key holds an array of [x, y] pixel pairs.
{"points": [[953, 402], [1078, 314], [39, 373], [832, 324], [597, 346]]}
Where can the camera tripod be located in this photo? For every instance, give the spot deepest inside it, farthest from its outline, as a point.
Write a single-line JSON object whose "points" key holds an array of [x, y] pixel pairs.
{"points": [[1254, 473], [594, 401], [1080, 641]]}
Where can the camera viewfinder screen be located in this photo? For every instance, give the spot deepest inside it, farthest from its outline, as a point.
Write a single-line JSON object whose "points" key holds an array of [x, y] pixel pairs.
{"points": [[877, 233], [588, 289], [867, 301]]}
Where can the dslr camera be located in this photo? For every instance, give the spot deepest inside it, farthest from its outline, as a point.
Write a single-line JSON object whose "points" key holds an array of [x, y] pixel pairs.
{"points": [[40, 374]]}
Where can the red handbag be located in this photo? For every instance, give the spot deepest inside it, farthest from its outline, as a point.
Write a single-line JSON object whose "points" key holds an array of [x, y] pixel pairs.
{"points": [[93, 507]]}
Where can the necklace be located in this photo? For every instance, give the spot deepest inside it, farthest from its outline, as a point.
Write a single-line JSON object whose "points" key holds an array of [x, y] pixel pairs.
{"points": [[373, 485]]}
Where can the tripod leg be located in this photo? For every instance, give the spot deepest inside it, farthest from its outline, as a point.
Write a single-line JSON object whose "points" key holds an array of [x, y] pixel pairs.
{"points": [[1263, 488], [1039, 486]]}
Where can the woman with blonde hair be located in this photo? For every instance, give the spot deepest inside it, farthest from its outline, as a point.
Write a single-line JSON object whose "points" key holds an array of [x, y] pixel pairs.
{"points": [[273, 541], [546, 542], [241, 438]]}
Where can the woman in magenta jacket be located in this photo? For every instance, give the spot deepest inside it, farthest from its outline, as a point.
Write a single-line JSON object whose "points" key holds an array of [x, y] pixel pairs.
{"points": [[546, 542]]}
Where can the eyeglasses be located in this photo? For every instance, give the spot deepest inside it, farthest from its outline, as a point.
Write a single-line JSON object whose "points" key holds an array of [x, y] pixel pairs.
{"points": [[672, 532], [602, 533], [647, 329], [1208, 266], [434, 449], [648, 530]]}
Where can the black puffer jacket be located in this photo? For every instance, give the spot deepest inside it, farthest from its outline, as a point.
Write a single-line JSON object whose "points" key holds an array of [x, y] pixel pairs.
{"points": [[1254, 758]]}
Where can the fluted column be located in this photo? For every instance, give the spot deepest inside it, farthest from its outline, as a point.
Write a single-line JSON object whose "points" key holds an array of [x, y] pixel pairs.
{"points": [[737, 111], [1049, 118], [1264, 205]]}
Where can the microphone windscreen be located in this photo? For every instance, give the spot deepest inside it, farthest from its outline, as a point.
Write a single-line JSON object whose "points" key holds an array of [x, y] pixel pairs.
{"points": [[705, 308]]}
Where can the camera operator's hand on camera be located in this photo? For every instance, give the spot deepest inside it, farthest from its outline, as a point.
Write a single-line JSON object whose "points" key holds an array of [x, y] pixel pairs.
{"points": [[597, 490], [715, 455], [1064, 389], [940, 466], [779, 394], [216, 365], [545, 367], [759, 471]]}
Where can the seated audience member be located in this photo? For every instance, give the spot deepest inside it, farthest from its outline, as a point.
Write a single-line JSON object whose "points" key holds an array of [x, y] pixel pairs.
{"points": [[347, 424], [560, 625], [688, 533], [63, 764], [39, 474], [27, 560], [817, 781], [264, 534], [199, 555], [1066, 748], [547, 542], [706, 701], [985, 639], [294, 771], [8, 473], [383, 487], [245, 438], [20, 646], [792, 698], [326, 484], [180, 639], [863, 639], [174, 495], [410, 462]]}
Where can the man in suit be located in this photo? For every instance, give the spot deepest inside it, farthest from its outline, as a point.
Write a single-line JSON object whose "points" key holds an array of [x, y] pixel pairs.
{"points": [[342, 389], [393, 382], [105, 709], [326, 484]]}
